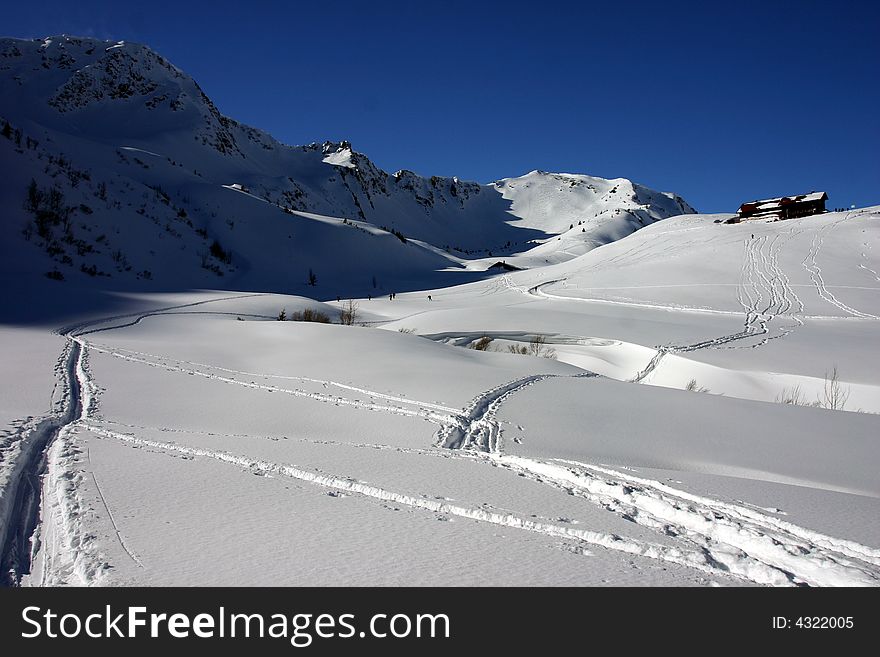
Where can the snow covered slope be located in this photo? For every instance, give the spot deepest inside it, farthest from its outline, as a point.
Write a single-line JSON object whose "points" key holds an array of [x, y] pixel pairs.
{"points": [[683, 435], [583, 211], [154, 186], [759, 310], [371, 456]]}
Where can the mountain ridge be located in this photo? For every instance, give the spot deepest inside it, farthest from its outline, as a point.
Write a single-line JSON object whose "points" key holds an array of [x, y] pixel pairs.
{"points": [[117, 122]]}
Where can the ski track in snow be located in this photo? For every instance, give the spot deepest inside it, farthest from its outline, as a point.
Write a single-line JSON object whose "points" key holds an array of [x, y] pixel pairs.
{"points": [[113, 522], [186, 366], [765, 294], [691, 558], [652, 365], [481, 429], [735, 538], [424, 410], [69, 555], [810, 264], [868, 269], [21, 500], [771, 306], [720, 538], [113, 425]]}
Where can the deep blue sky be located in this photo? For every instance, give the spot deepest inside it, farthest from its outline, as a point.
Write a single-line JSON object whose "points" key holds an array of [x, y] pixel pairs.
{"points": [[719, 101]]}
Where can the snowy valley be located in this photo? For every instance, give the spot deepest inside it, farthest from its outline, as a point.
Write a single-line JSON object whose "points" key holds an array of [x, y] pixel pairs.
{"points": [[552, 379]]}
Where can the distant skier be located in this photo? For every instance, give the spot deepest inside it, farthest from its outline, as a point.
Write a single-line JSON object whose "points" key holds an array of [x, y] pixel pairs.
{"points": [[429, 297]]}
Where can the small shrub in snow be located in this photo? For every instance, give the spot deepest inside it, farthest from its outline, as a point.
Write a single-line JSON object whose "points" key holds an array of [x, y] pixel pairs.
{"points": [[834, 394], [482, 344], [310, 315], [211, 266], [692, 386], [395, 232], [348, 316], [537, 347], [48, 209], [220, 253], [795, 397]]}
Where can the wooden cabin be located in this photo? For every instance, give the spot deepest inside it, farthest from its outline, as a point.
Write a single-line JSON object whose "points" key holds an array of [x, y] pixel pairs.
{"points": [[784, 207]]}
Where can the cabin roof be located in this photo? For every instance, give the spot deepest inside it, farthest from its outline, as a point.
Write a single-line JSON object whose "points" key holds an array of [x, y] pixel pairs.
{"points": [[771, 204]]}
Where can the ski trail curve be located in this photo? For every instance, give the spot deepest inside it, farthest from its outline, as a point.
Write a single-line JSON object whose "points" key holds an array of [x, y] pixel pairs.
{"points": [[746, 542], [741, 540], [811, 265], [652, 365], [480, 428]]}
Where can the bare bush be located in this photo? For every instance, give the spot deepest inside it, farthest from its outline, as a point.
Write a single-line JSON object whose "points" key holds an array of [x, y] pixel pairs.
{"points": [[795, 396], [349, 313], [539, 347], [310, 315], [406, 330], [834, 394], [482, 344], [693, 386]]}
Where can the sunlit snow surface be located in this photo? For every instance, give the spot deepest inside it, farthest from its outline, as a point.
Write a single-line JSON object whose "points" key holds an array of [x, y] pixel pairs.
{"points": [[218, 446]]}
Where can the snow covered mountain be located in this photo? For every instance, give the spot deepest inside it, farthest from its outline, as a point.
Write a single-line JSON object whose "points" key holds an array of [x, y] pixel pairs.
{"points": [[139, 177]]}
